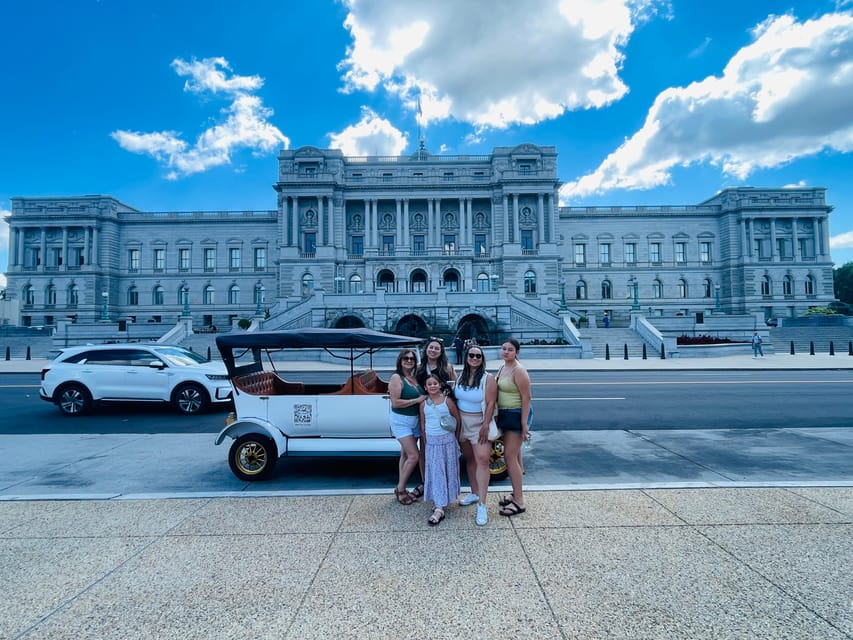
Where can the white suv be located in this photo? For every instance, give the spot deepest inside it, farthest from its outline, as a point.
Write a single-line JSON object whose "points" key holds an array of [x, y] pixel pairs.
{"points": [[82, 375]]}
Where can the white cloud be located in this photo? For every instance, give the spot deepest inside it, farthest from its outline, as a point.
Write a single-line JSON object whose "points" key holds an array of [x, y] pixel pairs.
{"points": [[492, 64], [842, 241], [244, 124], [786, 95], [370, 136]]}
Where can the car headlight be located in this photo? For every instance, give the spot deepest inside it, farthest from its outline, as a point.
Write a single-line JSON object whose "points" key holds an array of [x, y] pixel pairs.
{"points": [[216, 376]]}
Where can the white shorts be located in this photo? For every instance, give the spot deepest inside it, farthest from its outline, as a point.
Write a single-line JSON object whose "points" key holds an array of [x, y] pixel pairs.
{"points": [[403, 426]]}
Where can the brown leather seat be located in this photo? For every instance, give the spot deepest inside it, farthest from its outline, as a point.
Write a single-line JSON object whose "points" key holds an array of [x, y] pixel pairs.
{"points": [[267, 383]]}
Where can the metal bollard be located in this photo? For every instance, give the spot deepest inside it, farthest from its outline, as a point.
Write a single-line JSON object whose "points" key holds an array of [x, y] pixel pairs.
{"points": [[850, 348], [811, 347], [626, 352], [792, 348], [28, 352], [662, 352], [8, 353], [831, 348], [208, 354], [607, 352], [644, 351]]}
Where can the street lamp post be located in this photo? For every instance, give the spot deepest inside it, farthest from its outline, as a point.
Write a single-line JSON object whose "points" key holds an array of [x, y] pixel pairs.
{"points": [[339, 284], [105, 315], [494, 279], [185, 295], [563, 294], [717, 296], [259, 311], [635, 305]]}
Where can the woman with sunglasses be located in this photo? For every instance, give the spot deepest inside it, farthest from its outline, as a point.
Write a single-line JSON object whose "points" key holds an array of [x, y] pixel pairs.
{"points": [[513, 416], [406, 398], [434, 361], [476, 393]]}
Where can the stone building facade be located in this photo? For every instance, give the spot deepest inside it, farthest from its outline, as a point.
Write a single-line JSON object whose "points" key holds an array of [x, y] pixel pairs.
{"points": [[420, 244]]}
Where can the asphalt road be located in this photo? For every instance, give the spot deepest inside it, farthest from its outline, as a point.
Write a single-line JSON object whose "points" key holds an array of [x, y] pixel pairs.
{"points": [[563, 400]]}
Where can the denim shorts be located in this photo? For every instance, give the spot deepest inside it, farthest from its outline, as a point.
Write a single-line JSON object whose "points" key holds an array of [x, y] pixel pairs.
{"points": [[510, 419], [402, 426]]}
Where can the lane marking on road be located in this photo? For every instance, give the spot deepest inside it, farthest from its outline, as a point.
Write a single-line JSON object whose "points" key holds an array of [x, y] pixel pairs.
{"points": [[19, 386], [597, 398]]}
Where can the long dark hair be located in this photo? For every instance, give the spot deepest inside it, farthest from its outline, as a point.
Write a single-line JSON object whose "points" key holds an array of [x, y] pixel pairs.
{"points": [[442, 363], [472, 376]]}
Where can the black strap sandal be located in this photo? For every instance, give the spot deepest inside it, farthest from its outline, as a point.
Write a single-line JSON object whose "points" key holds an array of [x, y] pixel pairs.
{"points": [[512, 509]]}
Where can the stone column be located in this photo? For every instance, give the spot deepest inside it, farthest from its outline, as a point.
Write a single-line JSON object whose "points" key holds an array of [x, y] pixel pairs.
{"points": [[751, 247], [64, 248], [399, 221], [469, 220], [795, 249], [406, 234], [463, 233], [87, 256], [540, 217], [506, 218], [773, 251], [516, 229], [555, 213], [43, 249], [20, 257], [294, 221], [321, 223], [744, 242], [330, 207]]}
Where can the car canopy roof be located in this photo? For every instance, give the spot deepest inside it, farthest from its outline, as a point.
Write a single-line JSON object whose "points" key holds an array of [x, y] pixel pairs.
{"points": [[314, 338]]}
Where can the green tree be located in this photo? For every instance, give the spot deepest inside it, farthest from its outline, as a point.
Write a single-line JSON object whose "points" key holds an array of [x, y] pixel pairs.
{"points": [[843, 280]]}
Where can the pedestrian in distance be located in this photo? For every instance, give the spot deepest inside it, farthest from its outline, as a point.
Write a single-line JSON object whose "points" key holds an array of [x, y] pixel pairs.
{"points": [[476, 394], [459, 346], [439, 419], [407, 396], [756, 346], [513, 384]]}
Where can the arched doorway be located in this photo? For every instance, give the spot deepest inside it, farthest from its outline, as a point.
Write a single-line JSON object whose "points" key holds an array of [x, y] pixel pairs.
{"points": [[349, 322], [411, 325], [385, 280], [474, 326], [418, 281], [452, 281]]}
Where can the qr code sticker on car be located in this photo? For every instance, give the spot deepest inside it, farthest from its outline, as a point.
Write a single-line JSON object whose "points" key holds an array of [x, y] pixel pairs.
{"points": [[302, 414]]}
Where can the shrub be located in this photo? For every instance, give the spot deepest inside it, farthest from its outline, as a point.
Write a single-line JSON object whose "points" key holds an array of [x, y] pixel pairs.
{"points": [[691, 340], [820, 311], [244, 323]]}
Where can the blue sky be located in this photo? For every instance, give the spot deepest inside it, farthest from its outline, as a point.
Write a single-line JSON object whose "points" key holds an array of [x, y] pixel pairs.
{"points": [[184, 105]]}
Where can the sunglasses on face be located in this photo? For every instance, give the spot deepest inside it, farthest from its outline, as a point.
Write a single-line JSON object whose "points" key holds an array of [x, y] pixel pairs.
{"points": [[478, 356], [407, 359]]}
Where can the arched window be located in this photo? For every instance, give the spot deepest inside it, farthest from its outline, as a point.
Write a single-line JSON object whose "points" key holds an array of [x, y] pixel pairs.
{"points": [[580, 290], [158, 295], [765, 286], [418, 281], [355, 284], [682, 288], [73, 295], [28, 295], [707, 287], [809, 285], [132, 296], [234, 294], [385, 280], [787, 286], [307, 285], [483, 282], [50, 295], [529, 282], [207, 295], [451, 280], [657, 288], [606, 290]]}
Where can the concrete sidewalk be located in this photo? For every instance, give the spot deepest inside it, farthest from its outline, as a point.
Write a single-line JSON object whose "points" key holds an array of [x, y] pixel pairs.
{"points": [[668, 564]]}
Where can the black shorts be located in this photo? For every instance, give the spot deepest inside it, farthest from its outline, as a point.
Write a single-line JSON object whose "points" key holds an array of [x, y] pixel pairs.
{"points": [[510, 419]]}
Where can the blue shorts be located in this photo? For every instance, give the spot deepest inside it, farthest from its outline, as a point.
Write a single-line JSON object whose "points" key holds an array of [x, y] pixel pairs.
{"points": [[510, 419], [403, 426]]}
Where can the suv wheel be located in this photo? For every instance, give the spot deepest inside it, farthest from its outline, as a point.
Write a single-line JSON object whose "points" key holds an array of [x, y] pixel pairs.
{"points": [[73, 400], [190, 399]]}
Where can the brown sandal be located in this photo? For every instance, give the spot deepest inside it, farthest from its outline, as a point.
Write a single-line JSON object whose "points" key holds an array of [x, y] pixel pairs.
{"points": [[403, 497], [417, 492]]}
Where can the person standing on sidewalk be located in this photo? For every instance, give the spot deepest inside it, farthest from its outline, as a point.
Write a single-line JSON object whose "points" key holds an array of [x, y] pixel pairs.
{"points": [[756, 346], [458, 345], [476, 395], [513, 384], [434, 361], [407, 396], [441, 477]]}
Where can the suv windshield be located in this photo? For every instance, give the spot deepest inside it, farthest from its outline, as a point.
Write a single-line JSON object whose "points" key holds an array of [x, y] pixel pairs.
{"points": [[179, 357]]}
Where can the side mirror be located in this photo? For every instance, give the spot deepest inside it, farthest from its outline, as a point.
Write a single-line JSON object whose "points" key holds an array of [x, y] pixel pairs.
{"points": [[157, 364]]}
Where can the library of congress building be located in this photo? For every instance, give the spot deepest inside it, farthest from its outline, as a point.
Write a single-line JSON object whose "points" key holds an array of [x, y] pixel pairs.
{"points": [[421, 244]]}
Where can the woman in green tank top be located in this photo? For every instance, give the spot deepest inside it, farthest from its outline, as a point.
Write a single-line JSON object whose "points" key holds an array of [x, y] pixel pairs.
{"points": [[513, 411], [404, 419]]}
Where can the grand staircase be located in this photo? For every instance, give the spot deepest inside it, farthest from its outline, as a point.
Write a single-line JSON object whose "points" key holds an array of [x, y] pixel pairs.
{"points": [[841, 336], [616, 338]]}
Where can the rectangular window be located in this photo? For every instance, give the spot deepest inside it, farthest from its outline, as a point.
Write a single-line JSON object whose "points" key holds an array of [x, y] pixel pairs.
{"points": [[680, 251], [34, 257], [133, 260], [77, 256], [386, 177], [580, 254], [604, 253], [419, 245], [527, 241], [480, 248], [357, 245], [450, 244], [260, 258], [55, 257], [159, 259], [780, 247], [183, 259], [310, 242], [630, 252], [234, 259], [210, 259], [705, 251], [804, 245], [758, 249], [133, 296], [388, 245], [654, 252]]}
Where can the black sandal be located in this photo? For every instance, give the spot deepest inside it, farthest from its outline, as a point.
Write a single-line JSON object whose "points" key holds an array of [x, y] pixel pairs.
{"points": [[417, 492], [504, 501], [512, 509]]}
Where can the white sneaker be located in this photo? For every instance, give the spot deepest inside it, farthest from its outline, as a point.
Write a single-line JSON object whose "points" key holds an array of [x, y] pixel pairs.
{"points": [[482, 515], [471, 498]]}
